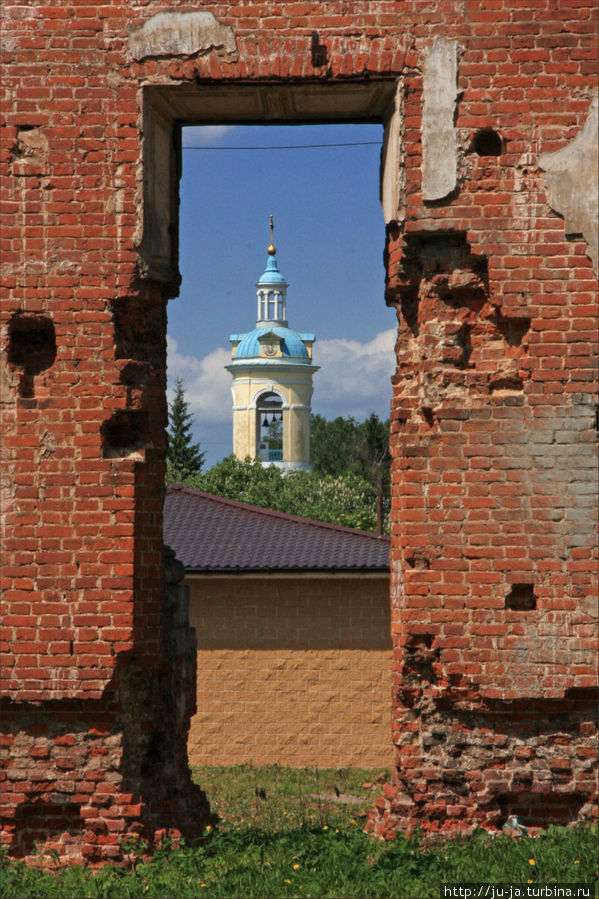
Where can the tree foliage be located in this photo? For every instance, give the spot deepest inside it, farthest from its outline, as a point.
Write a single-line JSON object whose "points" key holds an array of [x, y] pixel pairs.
{"points": [[344, 446], [331, 444], [349, 483], [184, 458], [248, 481], [345, 499], [274, 434]]}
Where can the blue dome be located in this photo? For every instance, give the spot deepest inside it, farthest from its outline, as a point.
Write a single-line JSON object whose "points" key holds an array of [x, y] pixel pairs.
{"points": [[272, 275], [291, 343]]}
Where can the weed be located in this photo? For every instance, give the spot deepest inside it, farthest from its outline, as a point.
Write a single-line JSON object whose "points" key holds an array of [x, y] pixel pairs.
{"points": [[134, 848], [311, 854]]}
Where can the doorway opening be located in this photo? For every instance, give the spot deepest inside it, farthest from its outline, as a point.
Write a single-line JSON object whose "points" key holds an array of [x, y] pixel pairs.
{"points": [[301, 105], [321, 181]]}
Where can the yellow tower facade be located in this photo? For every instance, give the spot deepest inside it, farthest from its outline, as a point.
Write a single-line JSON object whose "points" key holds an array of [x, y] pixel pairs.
{"points": [[272, 373]]}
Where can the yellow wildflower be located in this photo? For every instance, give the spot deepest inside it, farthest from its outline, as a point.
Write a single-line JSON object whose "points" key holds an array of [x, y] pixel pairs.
{"points": [[576, 861], [287, 881], [325, 827], [296, 866], [531, 861]]}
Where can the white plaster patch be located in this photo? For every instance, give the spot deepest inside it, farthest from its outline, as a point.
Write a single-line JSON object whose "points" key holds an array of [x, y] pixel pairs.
{"points": [[439, 138], [180, 34], [572, 183]]}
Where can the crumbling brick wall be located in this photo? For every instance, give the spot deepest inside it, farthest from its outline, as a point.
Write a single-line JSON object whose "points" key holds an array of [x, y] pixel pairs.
{"points": [[488, 196]]}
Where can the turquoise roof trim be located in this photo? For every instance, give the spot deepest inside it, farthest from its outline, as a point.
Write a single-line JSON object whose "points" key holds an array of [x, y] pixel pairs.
{"points": [[292, 345]]}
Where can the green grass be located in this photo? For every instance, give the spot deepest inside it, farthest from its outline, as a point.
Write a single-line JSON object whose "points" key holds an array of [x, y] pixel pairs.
{"points": [[294, 797], [288, 844]]}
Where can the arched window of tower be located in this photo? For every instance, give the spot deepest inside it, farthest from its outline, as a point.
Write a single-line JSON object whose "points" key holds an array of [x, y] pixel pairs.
{"points": [[269, 428]]}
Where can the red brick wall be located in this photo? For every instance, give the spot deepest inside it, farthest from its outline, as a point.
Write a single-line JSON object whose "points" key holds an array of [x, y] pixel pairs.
{"points": [[493, 415]]}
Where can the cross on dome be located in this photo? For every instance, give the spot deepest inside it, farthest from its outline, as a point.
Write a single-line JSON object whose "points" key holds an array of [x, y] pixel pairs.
{"points": [[272, 249]]}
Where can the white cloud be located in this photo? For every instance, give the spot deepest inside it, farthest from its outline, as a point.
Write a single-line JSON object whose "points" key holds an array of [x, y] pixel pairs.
{"points": [[207, 384], [202, 135], [354, 379]]}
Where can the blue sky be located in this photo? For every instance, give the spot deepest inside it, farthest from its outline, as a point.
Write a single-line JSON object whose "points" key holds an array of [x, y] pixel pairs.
{"points": [[329, 234]]}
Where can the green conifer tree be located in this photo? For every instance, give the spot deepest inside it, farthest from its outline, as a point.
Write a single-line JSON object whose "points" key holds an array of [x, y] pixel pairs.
{"points": [[184, 458]]}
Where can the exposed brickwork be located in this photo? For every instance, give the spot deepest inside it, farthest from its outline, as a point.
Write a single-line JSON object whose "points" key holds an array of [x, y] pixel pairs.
{"points": [[493, 411], [84, 773]]}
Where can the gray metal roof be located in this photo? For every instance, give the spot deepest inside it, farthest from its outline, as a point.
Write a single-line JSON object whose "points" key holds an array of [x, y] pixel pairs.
{"points": [[213, 534]]}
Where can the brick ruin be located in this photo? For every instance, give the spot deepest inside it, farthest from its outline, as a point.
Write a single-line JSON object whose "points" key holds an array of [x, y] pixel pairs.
{"points": [[489, 177]]}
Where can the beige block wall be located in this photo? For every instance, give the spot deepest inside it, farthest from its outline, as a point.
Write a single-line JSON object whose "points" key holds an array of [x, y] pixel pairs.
{"points": [[292, 670]]}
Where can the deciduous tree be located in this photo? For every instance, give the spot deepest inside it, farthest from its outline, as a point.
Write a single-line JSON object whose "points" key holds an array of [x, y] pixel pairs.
{"points": [[345, 499], [343, 446]]}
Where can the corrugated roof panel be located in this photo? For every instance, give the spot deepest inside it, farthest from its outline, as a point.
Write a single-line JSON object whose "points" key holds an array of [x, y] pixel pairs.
{"points": [[211, 533]]}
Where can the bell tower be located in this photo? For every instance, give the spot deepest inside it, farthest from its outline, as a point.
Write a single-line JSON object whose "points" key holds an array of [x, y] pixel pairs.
{"points": [[272, 379]]}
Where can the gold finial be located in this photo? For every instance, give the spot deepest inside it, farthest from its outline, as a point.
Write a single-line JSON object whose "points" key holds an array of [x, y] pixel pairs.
{"points": [[271, 249]]}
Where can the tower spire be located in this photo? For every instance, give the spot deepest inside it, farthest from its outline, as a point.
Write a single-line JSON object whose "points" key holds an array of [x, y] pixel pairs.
{"points": [[271, 249], [272, 288]]}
